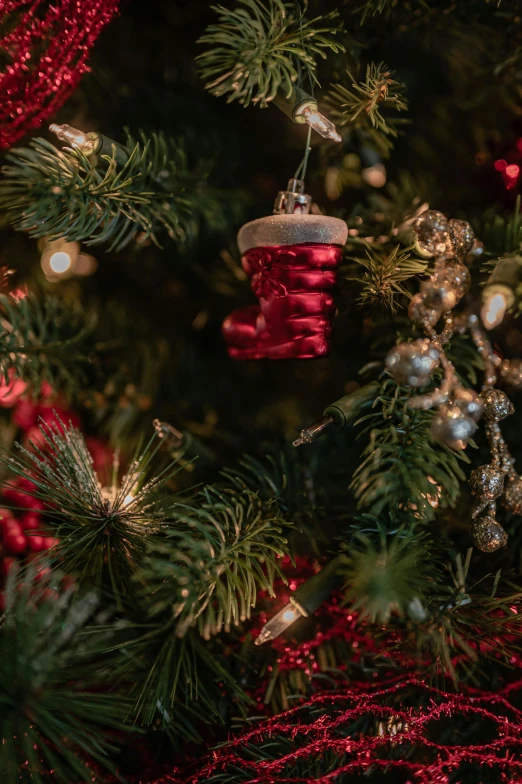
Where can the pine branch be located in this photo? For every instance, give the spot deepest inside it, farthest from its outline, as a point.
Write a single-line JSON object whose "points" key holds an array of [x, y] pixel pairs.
{"points": [[466, 625], [205, 573], [386, 272], [57, 711], [367, 105], [280, 476], [208, 569], [390, 577], [43, 341], [177, 683], [103, 532], [374, 7], [258, 49], [404, 470], [60, 193]]}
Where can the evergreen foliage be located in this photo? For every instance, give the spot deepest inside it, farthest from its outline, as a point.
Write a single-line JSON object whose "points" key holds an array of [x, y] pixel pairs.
{"points": [[61, 193], [209, 568], [44, 340], [404, 471], [178, 559], [386, 272], [258, 49], [58, 712], [370, 106]]}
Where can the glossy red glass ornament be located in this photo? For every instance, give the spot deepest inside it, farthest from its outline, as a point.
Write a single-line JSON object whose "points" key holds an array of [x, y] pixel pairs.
{"points": [[292, 260]]}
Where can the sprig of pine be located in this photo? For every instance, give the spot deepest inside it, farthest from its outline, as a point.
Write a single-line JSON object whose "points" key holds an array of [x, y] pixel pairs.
{"points": [[208, 569], [388, 577], [103, 532], [279, 475], [61, 193], [204, 573], [370, 105], [57, 710], [198, 563], [374, 7], [404, 470], [177, 683], [260, 48], [43, 340], [387, 270]]}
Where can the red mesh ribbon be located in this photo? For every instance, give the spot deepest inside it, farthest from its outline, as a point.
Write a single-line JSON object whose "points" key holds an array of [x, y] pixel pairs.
{"points": [[294, 285], [328, 726], [46, 46]]}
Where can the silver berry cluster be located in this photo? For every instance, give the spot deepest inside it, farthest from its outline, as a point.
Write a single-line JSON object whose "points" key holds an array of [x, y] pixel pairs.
{"points": [[459, 409], [412, 364]]}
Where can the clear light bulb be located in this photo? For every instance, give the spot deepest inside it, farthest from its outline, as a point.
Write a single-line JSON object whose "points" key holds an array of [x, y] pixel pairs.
{"points": [[59, 258], [60, 262], [494, 308], [320, 123], [78, 139], [279, 623]]}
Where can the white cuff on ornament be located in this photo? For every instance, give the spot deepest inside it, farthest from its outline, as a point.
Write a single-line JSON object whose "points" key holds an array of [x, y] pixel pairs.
{"points": [[296, 229]]}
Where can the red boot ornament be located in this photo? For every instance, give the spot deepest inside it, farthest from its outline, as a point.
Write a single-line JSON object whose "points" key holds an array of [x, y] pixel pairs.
{"points": [[292, 258]]}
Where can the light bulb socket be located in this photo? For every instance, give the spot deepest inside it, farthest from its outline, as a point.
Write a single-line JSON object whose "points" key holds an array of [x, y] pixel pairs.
{"points": [[508, 273], [345, 410], [311, 594], [105, 146], [294, 104]]}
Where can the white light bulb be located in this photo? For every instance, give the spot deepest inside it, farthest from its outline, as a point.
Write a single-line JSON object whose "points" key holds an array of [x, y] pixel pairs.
{"points": [[494, 309], [60, 262], [320, 123], [58, 258], [78, 139], [279, 623]]}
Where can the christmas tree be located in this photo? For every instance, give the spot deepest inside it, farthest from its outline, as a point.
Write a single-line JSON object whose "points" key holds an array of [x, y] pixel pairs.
{"points": [[260, 289]]}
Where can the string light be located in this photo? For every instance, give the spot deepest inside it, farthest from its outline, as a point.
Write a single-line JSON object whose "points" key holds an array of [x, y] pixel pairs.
{"points": [[86, 142], [302, 107], [496, 301], [173, 437], [62, 259], [91, 144], [306, 600], [375, 175], [280, 623], [60, 262], [58, 258], [321, 124], [85, 265]]}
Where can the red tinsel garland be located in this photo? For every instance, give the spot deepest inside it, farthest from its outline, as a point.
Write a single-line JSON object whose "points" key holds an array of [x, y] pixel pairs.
{"points": [[401, 730], [400, 737], [47, 51]]}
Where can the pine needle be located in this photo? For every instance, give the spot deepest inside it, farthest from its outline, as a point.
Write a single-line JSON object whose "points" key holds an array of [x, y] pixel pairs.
{"points": [[371, 105], [386, 272], [258, 49], [60, 193]]}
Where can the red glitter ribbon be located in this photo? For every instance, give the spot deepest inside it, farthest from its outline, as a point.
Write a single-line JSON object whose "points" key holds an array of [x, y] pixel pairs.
{"points": [[47, 52], [389, 748]]}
